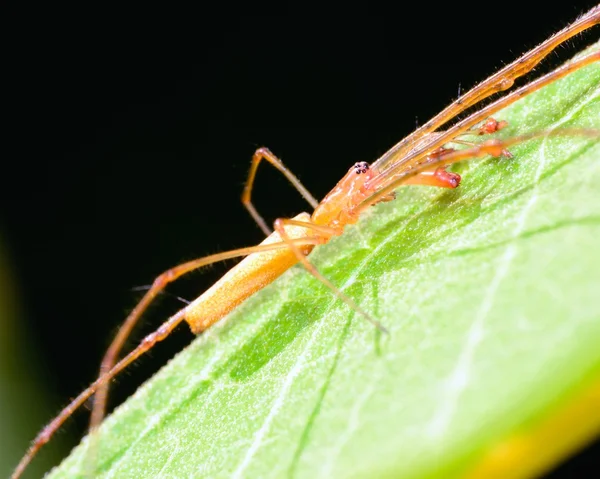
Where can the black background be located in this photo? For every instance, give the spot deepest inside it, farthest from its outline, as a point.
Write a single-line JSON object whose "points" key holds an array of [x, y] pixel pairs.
{"points": [[129, 144]]}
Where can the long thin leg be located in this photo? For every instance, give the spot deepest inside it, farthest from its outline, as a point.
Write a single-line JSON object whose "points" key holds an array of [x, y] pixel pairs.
{"points": [[280, 228], [500, 81], [437, 175], [44, 436], [159, 284], [383, 184], [149, 341], [472, 144], [172, 274], [112, 353], [495, 148], [265, 154]]}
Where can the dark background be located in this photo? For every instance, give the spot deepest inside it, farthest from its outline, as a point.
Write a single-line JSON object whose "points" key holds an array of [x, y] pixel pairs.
{"points": [[129, 144]]}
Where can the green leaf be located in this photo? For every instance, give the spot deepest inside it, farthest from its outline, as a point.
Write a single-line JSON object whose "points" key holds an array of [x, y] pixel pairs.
{"points": [[490, 293]]}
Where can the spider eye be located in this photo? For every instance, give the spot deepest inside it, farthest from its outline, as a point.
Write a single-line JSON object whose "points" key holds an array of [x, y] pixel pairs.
{"points": [[361, 168]]}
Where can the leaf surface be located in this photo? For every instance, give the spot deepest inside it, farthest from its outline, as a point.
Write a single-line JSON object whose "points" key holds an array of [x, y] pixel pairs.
{"points": [[490, 293]]}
